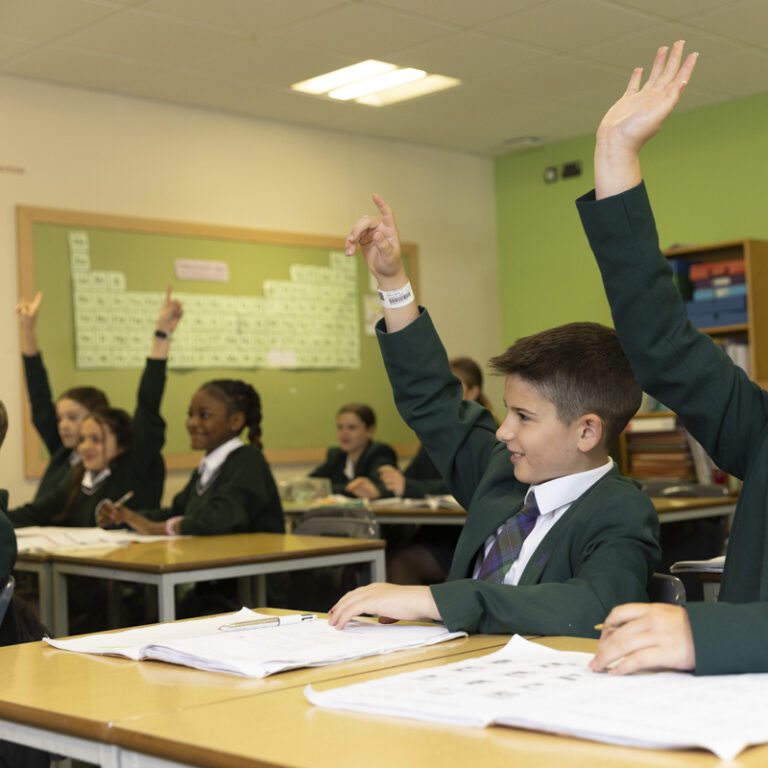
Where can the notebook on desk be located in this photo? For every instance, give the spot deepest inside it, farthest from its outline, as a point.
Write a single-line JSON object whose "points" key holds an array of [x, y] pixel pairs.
{"points": [[256, 652]]}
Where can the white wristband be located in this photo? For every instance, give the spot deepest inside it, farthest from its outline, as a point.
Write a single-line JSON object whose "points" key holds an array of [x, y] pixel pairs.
{"points": [[397, 298]]}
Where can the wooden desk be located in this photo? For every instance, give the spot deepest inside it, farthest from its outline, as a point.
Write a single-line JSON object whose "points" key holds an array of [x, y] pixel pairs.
{"points": [[670, 509], [204, 558], [294, 734], [69, 703]]}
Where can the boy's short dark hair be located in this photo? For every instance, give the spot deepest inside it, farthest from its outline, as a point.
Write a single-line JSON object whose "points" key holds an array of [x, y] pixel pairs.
{"points": [[580, 368]]}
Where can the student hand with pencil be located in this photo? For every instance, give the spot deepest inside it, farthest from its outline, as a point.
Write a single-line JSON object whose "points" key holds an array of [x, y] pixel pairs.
{"points": [[638, 636]]}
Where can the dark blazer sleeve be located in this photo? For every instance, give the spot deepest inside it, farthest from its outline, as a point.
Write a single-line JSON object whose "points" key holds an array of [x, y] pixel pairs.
{"points": [[44, 508], [7, 541], [333, 469], [673, 361], [459, 435], [149, 436], [41, 402], [728, 638]]}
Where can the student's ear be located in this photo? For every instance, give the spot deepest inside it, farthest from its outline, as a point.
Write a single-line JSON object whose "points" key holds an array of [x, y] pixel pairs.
{"points": [[472, 392], [237, 422], [589, 432]]}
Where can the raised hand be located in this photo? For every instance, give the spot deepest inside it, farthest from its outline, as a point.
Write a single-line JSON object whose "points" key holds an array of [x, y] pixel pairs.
{"points": [[636, 117], [170, 313], [27, 312], [379, 241]]}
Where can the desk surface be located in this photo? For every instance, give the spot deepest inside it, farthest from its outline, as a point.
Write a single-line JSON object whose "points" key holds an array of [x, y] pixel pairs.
{"points": [[298, 735], [84, 695], [198, 552]]}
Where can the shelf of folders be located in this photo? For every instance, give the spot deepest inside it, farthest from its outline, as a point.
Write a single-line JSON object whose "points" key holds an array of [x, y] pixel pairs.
{"points": [[716, 297], [658, 448]]}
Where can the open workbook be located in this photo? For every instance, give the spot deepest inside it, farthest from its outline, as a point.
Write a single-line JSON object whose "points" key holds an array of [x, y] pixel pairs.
{"points": [[527, 685], [255, 652]]}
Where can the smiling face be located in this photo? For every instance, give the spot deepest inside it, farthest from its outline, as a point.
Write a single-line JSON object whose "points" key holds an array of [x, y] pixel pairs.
{"points": [[69, 417], [209, 424], [541, 446], [97, 445], [353, 434]]}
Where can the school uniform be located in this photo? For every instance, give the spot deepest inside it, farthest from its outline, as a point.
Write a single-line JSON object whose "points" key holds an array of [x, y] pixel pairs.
{"points": [[139, 469], [374, 456], [7, 540], [599, 554], [716, 401], [62, 459], [233, 491], [422, 477]]}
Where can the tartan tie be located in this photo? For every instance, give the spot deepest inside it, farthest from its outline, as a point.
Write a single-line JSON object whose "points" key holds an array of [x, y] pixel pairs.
{"points": [[508, 543]]}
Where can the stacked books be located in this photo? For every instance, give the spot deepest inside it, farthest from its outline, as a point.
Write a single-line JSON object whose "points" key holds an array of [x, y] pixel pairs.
{"points": [[658, 449], [719, 293]]}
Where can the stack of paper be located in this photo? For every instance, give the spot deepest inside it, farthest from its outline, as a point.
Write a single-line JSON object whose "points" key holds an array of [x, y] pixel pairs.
{"points": [[530, 686], [715, 565], [50, 538], [255, 652]]}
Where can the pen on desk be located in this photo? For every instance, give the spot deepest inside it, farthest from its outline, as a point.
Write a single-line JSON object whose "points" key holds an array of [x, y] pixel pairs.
{"points": [[272, 621], [123, 499]]}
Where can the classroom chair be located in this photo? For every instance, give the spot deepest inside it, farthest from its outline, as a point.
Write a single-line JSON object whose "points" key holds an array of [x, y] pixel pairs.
{"points": [[5, 596], [319, 590], [664, 588]]}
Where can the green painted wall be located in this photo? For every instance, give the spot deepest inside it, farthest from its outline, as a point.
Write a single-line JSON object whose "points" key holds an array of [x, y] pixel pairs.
{"points": [[707, 176]]}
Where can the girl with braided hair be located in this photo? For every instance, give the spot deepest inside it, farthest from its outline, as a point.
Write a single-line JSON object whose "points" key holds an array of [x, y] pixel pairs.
{"points": [[232, 490]]}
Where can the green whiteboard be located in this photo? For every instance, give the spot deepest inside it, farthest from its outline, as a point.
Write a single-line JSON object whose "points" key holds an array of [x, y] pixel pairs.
{"points": [[298, 405]]}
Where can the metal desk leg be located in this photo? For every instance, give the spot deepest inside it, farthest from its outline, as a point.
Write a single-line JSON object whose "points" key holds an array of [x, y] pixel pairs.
{"points": [[60, 604], [166, 600]]}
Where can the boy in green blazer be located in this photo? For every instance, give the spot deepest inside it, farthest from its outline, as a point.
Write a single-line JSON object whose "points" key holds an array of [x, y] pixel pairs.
{"points": [[554, 535], [725, 411]]}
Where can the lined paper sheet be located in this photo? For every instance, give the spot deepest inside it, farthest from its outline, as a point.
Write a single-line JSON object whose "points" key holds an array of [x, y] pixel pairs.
{"points": [[51, 538], [530, 686]]}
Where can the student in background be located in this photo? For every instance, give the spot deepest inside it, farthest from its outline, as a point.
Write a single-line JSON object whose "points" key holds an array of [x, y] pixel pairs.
{"points": [[57, 424], [553, 533], [353, 467], [118, 454], [7, 536], [718, 404], [232, 491]]}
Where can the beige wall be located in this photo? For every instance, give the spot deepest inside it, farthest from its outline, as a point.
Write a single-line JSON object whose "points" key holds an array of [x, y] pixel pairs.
{"points": [[94, 152]]}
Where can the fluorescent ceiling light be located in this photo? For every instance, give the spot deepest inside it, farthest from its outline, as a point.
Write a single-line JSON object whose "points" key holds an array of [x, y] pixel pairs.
{"points": [[375, 83], [429, 84], [344, 76]]}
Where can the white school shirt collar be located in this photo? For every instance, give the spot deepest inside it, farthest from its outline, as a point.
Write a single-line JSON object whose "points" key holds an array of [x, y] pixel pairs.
{"points": [[75, 459], [91, 482], [211, 462], [553, 498]]}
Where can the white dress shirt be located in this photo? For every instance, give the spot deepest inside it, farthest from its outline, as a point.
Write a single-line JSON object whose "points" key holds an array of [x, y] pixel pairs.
{"points": [[211, 462]]}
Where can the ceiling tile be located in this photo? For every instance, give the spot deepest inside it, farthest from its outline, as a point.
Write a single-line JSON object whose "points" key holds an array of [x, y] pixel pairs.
{"points": [[150, 39], [248, 17], [676, 9], [363, 31], [460, 12], [564, 25], [743, 21], [43, 20]]}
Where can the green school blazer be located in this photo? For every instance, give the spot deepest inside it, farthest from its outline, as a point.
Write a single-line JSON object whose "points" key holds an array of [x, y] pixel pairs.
{"points": [[599, 554], [718, 404]]}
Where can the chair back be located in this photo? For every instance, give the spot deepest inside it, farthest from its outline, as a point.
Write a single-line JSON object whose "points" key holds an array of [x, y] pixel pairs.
{"points": [[5, 596], [664, 588], [352, 522]]}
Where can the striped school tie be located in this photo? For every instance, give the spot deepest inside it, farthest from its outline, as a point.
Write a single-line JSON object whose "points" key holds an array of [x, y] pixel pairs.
{"points": [[508, 543]]}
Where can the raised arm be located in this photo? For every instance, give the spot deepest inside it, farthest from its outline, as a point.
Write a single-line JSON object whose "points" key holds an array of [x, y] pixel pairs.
{"points": [[38, 389], [636, 117]]}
